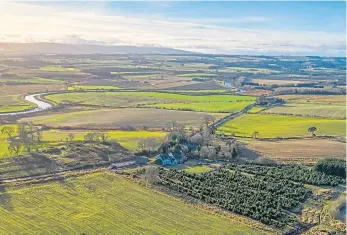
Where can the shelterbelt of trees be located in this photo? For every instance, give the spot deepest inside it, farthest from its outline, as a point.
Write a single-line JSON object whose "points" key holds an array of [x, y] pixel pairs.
{"points": [[262, 192], [261, 198]]}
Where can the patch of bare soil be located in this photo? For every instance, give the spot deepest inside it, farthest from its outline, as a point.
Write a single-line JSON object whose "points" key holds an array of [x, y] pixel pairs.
{"points": [[306, 151]]}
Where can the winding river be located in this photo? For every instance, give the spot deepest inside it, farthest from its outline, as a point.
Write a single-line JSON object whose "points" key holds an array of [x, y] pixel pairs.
{"points": [[41, 105]]}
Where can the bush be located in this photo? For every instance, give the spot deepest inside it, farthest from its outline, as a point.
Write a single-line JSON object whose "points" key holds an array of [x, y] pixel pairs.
{"points": [[332, 166]]}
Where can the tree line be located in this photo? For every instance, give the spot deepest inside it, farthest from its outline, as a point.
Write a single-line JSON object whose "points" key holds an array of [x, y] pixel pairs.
{"points": [[332, 166]]}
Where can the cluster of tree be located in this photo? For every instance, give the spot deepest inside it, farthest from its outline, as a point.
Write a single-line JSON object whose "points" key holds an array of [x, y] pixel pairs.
{"points": [[332, 166], [309, 91], [261, 198], [95, 136], [148, 145], [294, 173], [201, 79], [28, 137]]}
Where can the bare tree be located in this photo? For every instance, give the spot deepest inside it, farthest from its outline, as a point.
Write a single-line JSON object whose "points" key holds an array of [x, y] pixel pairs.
{"points": [[30, 129], [28, 144], [7, 130], [152, 143], [104, 136], [141, 144], [71, 136], [38, 134], [151, 175], [208, 119], [15, 147], [91, 136]]}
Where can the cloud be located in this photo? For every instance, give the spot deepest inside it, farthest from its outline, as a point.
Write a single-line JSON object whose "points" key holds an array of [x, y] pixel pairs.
{"points": [[32, 23]]}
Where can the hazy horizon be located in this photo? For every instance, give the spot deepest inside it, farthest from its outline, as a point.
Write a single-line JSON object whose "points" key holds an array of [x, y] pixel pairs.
{"points": [[236, 28]]}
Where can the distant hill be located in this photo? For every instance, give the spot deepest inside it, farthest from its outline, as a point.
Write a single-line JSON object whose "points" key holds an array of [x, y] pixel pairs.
{"points": [[58, 48]]}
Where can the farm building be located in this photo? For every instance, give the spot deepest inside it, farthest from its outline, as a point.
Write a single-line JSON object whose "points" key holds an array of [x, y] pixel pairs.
{"points": [[170, 159]]}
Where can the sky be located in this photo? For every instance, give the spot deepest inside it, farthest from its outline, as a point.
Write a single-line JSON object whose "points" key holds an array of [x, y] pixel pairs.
{"points": [[257, 28]]}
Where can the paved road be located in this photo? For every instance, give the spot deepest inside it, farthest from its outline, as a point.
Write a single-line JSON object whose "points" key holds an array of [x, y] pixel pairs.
{"points": [[232, 116]]}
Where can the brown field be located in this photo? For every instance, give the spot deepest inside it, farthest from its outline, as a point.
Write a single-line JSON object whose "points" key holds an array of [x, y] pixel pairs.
{"points": [[257, 92], [305, 150], [136, 117], [211, 85], [10, 95], [333, 99], [272, 82]]}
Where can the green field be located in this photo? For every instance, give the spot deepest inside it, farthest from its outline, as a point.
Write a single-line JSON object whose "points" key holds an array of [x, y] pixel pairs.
{"points": [[57, 69], [272, 126], [197, 169], [128, 139], [230, 107], [87, 87], [33, 80], [312, 110], [104, 203], [3, 139], [16, 108], [256, 109], [116, 99]]}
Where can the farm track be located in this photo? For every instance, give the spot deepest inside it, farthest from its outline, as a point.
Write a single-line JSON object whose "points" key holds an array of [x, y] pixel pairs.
{"points": [[57, 175]]}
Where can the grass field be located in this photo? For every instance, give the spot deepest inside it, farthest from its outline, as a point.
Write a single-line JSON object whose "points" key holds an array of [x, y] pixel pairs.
{"points": [[87, 87], [16, 108], [136, 117], [128, 139], [197, 169], [256, 109], [104, 203], [57, 69], [312, 110], [34, 80], [116, 99], [272, 126], [229, 107]]}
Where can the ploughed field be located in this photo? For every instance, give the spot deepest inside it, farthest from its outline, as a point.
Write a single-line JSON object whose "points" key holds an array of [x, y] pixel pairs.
{"points": [[135, 117], [103, 203], [306, 151], [273, 126]]}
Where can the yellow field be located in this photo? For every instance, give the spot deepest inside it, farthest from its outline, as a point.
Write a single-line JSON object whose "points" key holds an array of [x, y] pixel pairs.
{"points": [[128, 139], [273, 126]]}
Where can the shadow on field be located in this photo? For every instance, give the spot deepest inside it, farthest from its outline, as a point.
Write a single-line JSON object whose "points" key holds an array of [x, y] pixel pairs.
{"points": [[5, 198], [247, 153]]}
